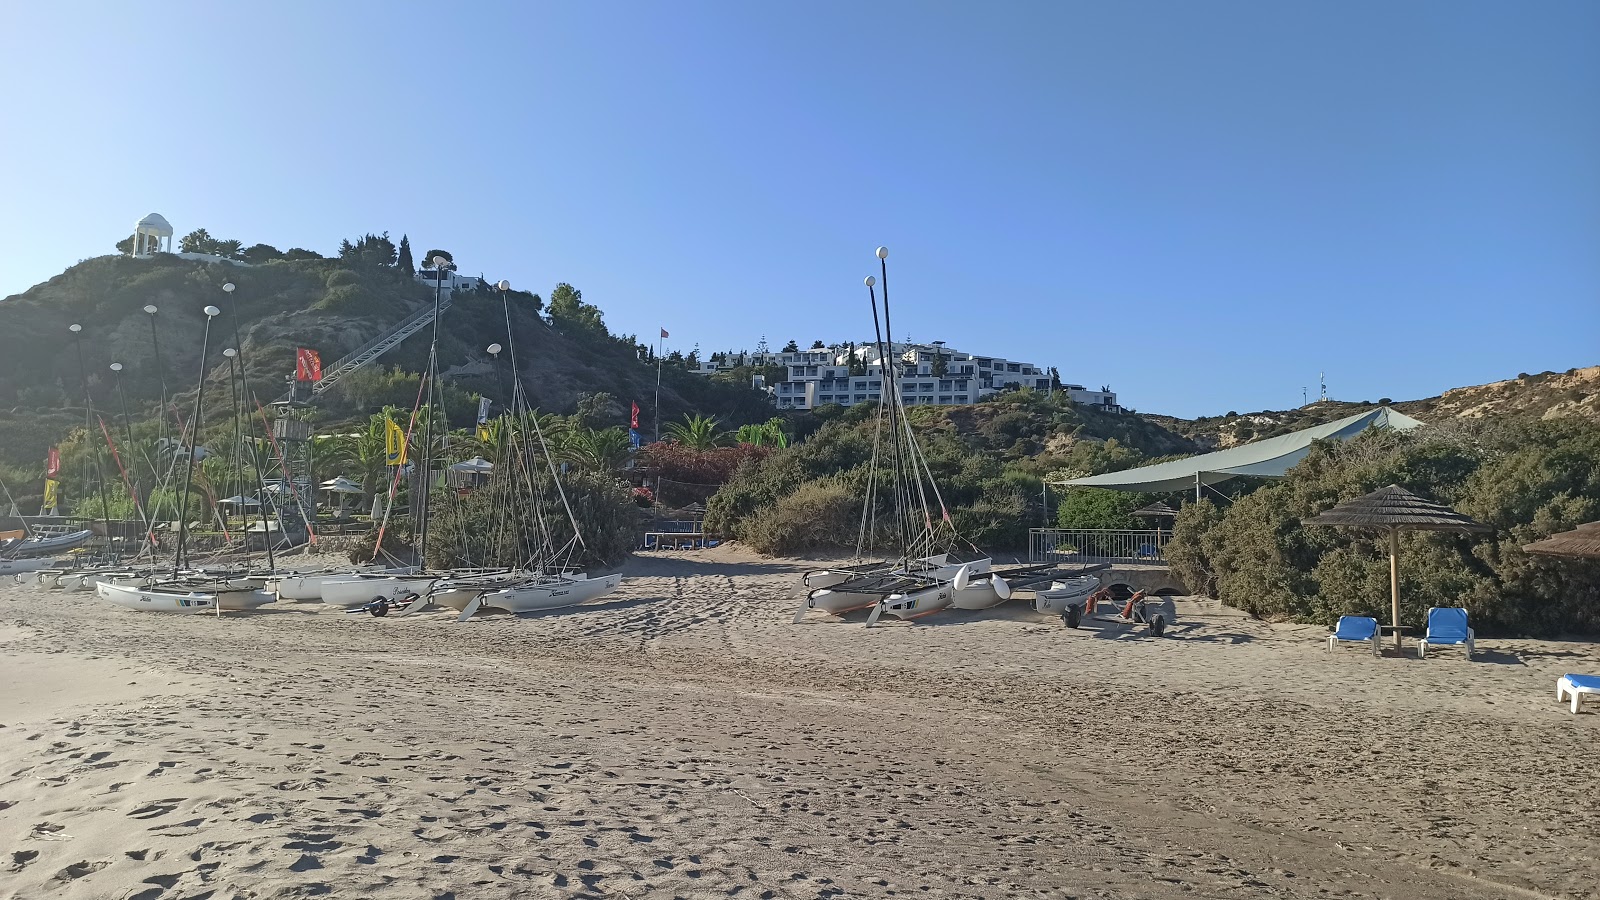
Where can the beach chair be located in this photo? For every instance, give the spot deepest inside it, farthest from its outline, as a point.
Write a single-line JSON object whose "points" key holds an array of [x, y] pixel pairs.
{"points": [[1447, 626], [1576, 686], [1356, 629]]}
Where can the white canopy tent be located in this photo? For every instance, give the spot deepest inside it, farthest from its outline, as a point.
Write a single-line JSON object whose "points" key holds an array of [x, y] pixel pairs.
{"points": [[1269, 458]]}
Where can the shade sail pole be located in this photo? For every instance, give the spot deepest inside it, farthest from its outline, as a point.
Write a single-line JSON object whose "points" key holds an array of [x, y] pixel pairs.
{"points": [[1197, 487], [1394, 581]]}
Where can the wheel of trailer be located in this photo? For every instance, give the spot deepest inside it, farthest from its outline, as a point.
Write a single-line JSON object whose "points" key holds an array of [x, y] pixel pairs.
{"points": [[379, 607], [1073, 617], [1158, 625]]}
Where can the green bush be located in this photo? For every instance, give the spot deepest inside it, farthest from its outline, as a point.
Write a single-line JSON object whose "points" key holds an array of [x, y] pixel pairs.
{"points": [[1528, 481], [821, 514]]}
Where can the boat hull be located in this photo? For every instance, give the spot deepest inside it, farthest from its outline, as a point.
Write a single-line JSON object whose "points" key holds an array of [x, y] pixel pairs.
{"points": [[1074, 591], [241, 600], [156, 601], [915, 604], [555, 593], [19, 566], [978, 594], [350, 591], [836, 602]]}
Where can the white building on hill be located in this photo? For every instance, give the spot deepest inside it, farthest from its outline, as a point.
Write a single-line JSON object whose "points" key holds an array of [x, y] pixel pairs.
{"points": [[823, 376]]}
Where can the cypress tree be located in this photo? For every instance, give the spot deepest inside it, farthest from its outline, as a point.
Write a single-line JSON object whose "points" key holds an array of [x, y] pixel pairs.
{"points": [[405, 263]]}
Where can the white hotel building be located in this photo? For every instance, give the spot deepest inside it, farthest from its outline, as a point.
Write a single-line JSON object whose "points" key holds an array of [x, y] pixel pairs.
{"points": [[820, 377]]}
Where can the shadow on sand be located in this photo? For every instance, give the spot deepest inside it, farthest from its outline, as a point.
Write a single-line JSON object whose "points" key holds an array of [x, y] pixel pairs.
{"points": [[639, 566]]}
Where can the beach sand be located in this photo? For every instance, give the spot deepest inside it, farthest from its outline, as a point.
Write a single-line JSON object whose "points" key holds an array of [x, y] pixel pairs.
{"points": [[683, 739]]}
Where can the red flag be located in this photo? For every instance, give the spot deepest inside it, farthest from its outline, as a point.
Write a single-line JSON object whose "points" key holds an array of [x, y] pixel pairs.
{"points": [[52, 463], [664, 333], [307, 365], [635, 423]]}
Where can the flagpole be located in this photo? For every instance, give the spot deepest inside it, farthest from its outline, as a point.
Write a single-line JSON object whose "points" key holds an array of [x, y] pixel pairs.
{"points": [[660, 347]]}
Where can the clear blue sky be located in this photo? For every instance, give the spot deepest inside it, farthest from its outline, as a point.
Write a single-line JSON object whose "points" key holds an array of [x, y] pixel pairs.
{"points": [[1201, 204]]}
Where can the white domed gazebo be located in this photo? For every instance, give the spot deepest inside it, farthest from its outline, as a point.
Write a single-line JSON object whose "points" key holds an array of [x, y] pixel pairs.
{"points": [[152, 235]]}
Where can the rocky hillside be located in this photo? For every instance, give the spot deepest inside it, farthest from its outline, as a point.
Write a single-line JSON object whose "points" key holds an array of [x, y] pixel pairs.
{"points": [[1574, 393], [330, 305]]}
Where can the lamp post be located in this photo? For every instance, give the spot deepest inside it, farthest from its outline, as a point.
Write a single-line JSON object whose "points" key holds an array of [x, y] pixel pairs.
{"points": [[180, 559], [88, 427], [161, 372], [233, 388]]}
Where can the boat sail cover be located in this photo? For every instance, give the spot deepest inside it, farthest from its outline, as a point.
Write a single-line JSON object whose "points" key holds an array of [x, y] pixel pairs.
{"points": [[1269, 458]]}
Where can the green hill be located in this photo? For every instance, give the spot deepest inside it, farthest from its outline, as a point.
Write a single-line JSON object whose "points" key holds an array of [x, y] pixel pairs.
{"points": [[330, 305]]}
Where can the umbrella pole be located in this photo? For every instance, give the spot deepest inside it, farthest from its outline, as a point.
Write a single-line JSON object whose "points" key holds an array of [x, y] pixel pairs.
{"points": [[1394, 581]]}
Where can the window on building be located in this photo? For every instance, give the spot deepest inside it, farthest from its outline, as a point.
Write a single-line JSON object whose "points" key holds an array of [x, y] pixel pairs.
{"points": [[945, 398], [1014, 367]]}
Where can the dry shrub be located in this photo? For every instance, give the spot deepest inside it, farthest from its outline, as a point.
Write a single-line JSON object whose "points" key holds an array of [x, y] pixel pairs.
{"points": [[821, 514]]}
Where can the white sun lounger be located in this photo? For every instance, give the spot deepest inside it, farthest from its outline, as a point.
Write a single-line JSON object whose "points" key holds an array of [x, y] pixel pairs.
{"points": [[1576, 686]]}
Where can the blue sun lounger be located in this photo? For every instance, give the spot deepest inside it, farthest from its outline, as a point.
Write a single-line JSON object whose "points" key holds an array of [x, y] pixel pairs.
{"points": [[1355, 629], [1447, 627]]}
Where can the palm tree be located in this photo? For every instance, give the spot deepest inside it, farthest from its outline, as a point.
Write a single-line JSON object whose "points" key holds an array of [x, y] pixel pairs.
{"points": [[597, 449], [697, 432], [768, 434]]}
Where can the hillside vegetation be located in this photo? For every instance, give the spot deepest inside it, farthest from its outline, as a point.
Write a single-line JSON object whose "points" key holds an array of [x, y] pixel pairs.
{"points": [[988, 460], [1528, 479], [330, 305], [1573, 394]]}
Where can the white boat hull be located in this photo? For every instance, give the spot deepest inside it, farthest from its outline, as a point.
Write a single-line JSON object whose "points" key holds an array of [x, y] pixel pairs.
{"points": [[350, 591], [238, 600], [1062, 594], [978, 594], [298, 587], [918, 603], [157, 601], [554, 593], [840, 602], [18, 566]]}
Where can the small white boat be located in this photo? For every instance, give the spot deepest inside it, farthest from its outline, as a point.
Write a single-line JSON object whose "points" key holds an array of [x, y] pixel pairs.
{"points": [[916, 604], [546, 592], [44, 545], [238, 600], [1054, 600], [299, 587], [350, 591], [157, 601], [19, 566], [982, 592]]}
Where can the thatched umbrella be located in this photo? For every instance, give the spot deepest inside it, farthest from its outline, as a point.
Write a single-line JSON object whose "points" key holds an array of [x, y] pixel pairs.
{"points": [[1395, 509], [1581, 541], [1156, 510]]}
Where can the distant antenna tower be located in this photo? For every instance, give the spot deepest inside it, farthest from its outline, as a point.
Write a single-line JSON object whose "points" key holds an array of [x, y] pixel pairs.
{"points": [[1322, 381], [1303, 397]]}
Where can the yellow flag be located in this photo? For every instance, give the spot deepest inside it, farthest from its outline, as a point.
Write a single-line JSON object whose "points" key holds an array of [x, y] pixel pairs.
{"points": [[483, 432], [394, 449], [49, 494]]}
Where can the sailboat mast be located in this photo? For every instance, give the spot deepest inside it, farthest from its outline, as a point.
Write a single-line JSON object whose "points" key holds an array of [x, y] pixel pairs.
{"points": [[181, 558], [255, 454], [439, 263]]}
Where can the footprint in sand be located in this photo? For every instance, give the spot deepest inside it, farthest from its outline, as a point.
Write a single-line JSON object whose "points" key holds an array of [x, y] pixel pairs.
{"points": [[80, 868], [156, 809], [21, 858]]}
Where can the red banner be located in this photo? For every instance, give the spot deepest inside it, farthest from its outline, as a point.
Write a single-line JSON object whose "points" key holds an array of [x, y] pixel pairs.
{"points": [[635, 422], [307, 365], [52, 463]]}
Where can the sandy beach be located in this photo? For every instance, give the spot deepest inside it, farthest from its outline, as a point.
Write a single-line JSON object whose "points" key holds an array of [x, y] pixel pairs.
{"points": [[683, 739]]}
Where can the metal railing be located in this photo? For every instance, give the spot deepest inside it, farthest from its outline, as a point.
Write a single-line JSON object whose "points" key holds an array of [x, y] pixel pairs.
{"points": [[380, 345], [1068, 546]]}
